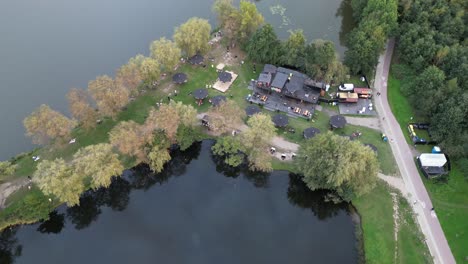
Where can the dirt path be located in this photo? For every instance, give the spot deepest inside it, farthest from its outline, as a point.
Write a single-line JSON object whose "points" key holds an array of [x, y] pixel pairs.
{"points": [[395, 182], [370, 122], [6, 189]]}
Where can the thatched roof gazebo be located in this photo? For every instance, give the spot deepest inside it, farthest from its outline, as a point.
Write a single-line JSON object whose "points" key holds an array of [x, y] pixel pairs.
{"points": [[217, 100], [200, 94], [338, 121], [280, 120], [179, 78], [310, 132], [196, 59], [225, 76], [252, 110]]}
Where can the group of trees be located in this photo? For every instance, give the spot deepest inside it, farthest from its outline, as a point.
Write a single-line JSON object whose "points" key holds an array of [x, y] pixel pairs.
{"points": [[7, 169], [149, 142], [251, 144], [92, 166], [318, 58], [434, 54], [376, 20], [330, 161]]}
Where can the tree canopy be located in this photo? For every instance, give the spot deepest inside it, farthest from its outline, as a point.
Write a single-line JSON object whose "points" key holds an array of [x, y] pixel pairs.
{"points": [[45, 124], [130, 138], [7, 168], [329, 161], [81, 109], [129, 75], [264, 46], [192, 37], [294, 49], [166, 53], [109, 95], [226, 117]]}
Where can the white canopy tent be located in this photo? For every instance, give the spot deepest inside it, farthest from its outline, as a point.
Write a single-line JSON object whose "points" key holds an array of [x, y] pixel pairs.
{"points": [[432, 160]]}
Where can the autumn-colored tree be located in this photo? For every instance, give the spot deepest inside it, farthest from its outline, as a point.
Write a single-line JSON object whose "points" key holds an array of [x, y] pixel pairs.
{"points": [[45, 124], [129, 75], [159, 153], [130, 138], [192, 37], [150, 70], [98, 163], [109, 95], [80, 108], [57, 178], [226, 117], [329, 161], [169, 116], [166, 53]]}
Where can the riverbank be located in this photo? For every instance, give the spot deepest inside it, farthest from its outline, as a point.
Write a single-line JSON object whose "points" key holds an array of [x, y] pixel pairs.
{"points": [[30, 206]]}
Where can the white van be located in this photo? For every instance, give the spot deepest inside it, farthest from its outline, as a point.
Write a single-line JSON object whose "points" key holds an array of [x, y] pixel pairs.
{"points": [[346, 87]]}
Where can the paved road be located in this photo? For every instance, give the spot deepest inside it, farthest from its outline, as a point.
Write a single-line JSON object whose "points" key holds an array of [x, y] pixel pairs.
{"points": [[430, 225]]}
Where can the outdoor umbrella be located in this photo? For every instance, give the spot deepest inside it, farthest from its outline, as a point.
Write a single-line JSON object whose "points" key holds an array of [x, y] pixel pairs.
{"points": [[252, 110], [338, 121], [216, 101], [310, 132], [280, 120], [225, 76], [200, 94], [179, 78], [196, 59]]}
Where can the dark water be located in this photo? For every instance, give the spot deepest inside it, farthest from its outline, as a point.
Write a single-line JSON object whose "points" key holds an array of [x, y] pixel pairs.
{"points": [[48, 47], [194, 212]]}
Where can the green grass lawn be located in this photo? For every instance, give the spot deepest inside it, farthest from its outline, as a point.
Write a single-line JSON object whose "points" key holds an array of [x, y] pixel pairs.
{"points": [[377, 223], [450, 199]]}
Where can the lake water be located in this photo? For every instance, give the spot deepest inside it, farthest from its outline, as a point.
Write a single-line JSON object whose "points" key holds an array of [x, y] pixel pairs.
{"points": [[48, 47], [196, 211]]}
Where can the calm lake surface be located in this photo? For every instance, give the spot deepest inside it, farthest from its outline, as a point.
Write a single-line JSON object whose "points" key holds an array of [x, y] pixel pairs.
{"points": [[48, 47], [196, 211]]}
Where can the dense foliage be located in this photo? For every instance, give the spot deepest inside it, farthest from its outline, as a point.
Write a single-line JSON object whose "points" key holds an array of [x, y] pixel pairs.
{"points": [[433, 48], [192, 37], [329, 161]]}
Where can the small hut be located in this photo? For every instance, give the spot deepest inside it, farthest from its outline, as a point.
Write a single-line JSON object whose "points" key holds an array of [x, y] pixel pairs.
{"points": [[310, 132], [217, 100], [197, 59], [337, 121], [225, 76], [200, 94], [179, 78], [280, 120], [252, 110]]}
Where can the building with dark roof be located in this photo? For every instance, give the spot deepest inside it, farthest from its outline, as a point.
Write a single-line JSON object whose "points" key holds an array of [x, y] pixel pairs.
{"points": [[279, 81], [268, 68], [264, 80]]}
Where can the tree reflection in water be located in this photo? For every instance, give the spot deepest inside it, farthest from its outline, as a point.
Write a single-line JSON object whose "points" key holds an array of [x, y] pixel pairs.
{"points": [[9, 248], [54, 225], [300, 195]]}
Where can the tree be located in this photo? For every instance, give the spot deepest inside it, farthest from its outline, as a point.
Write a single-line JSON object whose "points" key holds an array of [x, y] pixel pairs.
{"points": [[98, 163], [7, 168], [322, 62], [294, 49], [186, 136], [428, 83], [329, 161], [130, 138], [45, 124], [57, 178], [130, 75], [256, 141], [166, 53], [109, 95], [250, 20], [226, 117], [169, 116], [150, 70], [159, 154], [231, 149], [192, 37], [80, 108], [264, 46]]}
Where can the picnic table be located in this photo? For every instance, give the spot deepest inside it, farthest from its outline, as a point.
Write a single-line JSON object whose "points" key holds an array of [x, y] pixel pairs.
{"points": [[306, 112], [264, 98]]}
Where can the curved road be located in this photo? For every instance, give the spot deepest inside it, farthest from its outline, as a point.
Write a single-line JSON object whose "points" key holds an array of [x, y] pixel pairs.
{"points": [[429, 223]]}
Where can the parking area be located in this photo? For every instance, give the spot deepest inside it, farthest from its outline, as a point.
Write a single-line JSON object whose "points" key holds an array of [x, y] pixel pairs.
{"points": [[362, 107]]}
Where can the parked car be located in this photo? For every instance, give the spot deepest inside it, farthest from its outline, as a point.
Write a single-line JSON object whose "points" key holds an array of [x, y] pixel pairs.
{"points": [[346, 87]]}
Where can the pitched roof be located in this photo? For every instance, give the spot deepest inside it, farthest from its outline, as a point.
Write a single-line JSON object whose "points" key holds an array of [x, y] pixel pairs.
{"points": [[269, 68], [295, 83], [265, 77], [279, 80]]}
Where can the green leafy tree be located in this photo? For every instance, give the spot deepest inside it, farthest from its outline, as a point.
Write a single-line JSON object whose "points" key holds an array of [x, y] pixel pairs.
{"points": [[425, 89], [56, 178], [166, 53], [109, 95], [7, 168], [45, 124], [192, 37], [231, 149], [250, 20], [150, 71], [159, 153], [329, 161], [264, 46], [294, 48], [98, 163], [186, 136], [256, 141]]}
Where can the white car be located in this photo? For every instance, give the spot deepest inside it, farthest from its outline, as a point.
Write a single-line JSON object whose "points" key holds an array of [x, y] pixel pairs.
{"points": [[346, 87]]}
